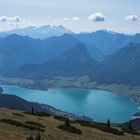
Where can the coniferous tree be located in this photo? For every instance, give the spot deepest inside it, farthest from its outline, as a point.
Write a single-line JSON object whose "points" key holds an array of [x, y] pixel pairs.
{"points": [[30, 138], [32, 111], [67, 122], [130, 125], [38, 136], [108, 123]]}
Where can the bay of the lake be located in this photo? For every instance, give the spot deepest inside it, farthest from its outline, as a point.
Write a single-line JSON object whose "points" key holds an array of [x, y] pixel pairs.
{"points": [[97, 104]]}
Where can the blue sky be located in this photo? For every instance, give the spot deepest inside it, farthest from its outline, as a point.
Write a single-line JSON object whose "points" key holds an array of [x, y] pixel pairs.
{"points": [[115, 15]]}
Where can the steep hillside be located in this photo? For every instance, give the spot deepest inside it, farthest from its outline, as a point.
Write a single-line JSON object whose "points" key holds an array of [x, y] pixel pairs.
{"points": [[122, 67], [14, 102], [73, 62]]}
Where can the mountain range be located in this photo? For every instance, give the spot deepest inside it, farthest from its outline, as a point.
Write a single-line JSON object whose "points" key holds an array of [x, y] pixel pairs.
{"points": [[41, 32], [122, 67], [105, 57], [75, 61], [35, 50], [107, 42]]}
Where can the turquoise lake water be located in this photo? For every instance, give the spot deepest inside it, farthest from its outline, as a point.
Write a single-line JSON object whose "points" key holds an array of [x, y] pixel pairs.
{"points": [[97, 104]]}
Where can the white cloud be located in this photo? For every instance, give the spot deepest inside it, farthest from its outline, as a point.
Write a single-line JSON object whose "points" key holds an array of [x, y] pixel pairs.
{"points": [[71, 19], [131, 18], [16, 19], [75, 18], [67, 19], [97, 17], [10, 19], [8, 23], [3, 19]]}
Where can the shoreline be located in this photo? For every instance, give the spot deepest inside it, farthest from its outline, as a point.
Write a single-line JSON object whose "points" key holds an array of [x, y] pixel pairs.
{"points": [[74, 82], [32, 88]]}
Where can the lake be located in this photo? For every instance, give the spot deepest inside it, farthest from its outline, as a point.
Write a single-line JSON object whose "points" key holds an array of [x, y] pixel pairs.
{"points": [[97, 104]]}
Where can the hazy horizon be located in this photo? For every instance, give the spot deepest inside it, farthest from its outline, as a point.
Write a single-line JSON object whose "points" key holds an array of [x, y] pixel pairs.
{"points": [[119, 16]]}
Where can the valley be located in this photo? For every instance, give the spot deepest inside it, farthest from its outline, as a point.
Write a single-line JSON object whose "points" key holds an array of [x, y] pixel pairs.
{"points": [[74, 82], [69, 70]]}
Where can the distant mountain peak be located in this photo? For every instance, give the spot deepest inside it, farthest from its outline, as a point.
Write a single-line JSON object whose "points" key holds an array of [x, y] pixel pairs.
{"points": [[75, 61], [41, 32], [133, 44], [44, 27], [106, 31], [78, 51], [16, 37]]}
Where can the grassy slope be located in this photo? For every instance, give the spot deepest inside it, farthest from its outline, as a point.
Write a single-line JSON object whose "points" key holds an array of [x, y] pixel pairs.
{"points": [[9, 132]]}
